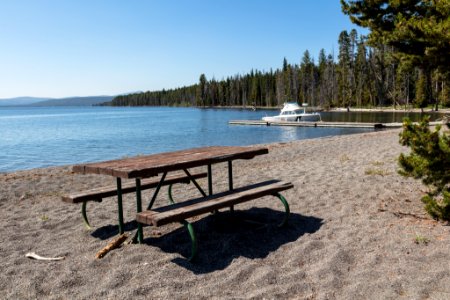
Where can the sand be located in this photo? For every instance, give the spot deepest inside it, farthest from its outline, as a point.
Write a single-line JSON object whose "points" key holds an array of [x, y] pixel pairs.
{"points": [[358, 230]]}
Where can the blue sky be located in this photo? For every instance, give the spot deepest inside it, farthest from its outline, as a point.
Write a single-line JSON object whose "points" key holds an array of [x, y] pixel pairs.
{"points": [[62, 48]]}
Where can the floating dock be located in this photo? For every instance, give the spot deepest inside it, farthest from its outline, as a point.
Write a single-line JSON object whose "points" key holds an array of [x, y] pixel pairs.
{"points": [[322, 124]]}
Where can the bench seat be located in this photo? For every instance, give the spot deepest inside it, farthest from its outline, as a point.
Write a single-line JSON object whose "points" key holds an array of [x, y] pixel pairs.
{"points": [[178, 212], [97, 194], [181, 211]]}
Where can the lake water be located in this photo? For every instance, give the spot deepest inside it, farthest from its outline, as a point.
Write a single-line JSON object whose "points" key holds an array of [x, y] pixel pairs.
{"points": [[50, 136]]}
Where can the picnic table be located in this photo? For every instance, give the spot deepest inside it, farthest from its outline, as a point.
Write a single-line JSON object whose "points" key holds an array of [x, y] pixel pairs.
{"points": [[141, 168]]}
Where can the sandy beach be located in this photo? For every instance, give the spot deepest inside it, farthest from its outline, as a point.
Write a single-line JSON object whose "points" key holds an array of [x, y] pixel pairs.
{"points": [[357, 230]]}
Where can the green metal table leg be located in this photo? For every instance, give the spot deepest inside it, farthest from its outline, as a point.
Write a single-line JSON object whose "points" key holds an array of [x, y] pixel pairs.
{"points": [[195, 182], [170, 195], [230, 180], [188, 225], [190, 228], [160, 184], [83, 213], [119, 204], [140, 234], [230, 175], [286, 207], [210, 189]]}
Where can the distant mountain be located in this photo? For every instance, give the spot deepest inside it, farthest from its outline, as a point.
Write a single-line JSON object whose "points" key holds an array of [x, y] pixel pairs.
{"points": [[21, 101], [74, 101]]}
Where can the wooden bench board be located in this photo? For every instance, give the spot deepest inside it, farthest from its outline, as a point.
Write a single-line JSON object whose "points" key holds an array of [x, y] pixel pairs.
{"points": [[183, 210], [97, 194]]}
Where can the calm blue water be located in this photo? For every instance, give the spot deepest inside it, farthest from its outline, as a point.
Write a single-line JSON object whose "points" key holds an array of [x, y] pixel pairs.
{"points": [[49, 136]]}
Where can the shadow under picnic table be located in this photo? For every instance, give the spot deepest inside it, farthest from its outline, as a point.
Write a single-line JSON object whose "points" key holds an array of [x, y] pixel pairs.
{"points": [[109, 231], [222, 237]]}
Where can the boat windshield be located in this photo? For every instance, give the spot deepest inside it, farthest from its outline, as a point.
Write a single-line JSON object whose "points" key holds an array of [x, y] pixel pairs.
{"points": [[288, 113]]}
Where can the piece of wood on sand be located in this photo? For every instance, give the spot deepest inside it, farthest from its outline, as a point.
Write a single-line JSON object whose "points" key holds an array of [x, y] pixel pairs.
{"points": [[33, 255], [111, 246]]}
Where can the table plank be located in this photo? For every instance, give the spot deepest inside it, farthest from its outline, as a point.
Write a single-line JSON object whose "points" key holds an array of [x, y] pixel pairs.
{"points": [[152, 165]]}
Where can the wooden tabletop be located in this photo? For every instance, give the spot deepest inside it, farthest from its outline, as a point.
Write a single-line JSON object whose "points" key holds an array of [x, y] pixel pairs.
{"points": [[152, 165]]}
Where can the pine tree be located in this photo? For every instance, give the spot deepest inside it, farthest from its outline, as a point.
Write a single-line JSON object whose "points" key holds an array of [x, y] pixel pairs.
{"points": [[429, 160], [287, 97], [417, 29], [307, 79], [361, 73], [344, 88], [404, 83], [202, 90], [322, 69], [422, 94]]}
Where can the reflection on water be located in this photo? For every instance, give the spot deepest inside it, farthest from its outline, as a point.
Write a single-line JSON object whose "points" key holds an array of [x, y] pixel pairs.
{"points": [[288, 133], [376, 117]]}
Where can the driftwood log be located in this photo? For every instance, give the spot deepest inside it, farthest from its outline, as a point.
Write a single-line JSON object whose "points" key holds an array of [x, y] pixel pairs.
{"points": [[113, 245]]}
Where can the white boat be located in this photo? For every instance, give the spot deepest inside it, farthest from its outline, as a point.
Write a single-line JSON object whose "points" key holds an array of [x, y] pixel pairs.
{"points": [[293, 112]]}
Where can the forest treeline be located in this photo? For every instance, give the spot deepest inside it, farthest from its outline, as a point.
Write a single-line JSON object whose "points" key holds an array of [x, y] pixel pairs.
{"points": [[358, 75]]}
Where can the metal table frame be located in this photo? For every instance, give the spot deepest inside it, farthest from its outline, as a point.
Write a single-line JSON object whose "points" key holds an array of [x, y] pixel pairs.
{"points": [[224, 154]]}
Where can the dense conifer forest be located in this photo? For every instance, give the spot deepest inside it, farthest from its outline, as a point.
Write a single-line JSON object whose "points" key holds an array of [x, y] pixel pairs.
{"points": [[398, 69]]}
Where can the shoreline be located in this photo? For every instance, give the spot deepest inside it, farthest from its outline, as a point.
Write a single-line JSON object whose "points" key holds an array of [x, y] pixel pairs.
{"points": [[357, 230], [335, 109], [251, 107], [392, 110]]}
